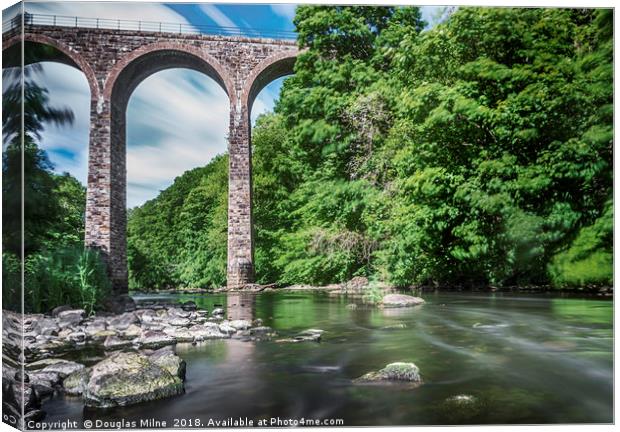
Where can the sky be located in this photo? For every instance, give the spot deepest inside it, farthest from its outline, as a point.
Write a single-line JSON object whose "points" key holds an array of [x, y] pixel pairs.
{"points": [[166, 135]]}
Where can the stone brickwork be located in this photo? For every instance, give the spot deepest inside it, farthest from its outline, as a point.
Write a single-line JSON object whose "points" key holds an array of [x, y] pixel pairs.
{"points": [[114, 63]]}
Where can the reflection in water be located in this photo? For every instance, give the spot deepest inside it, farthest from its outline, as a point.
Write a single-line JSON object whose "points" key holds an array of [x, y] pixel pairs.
{"points": [[240, 306], [524, 359]]}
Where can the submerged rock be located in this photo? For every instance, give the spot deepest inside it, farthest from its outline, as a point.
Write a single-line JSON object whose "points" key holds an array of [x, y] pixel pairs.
{"points": [[261, 331], [461, 400], [310, 335], [461, 408], [127, 378], [401, 300], [394, 372], [396, 326], [189, 306]]}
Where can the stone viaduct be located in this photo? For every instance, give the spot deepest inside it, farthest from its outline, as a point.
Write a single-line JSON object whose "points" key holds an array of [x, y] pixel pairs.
{"points": [[114, 62]]}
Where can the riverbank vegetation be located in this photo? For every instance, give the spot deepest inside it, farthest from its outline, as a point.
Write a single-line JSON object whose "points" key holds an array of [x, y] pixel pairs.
{"points": [[57, 268], [475, 153]]}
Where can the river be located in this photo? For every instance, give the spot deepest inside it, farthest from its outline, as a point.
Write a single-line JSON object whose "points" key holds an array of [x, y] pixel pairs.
{"points": [[525, 359]]}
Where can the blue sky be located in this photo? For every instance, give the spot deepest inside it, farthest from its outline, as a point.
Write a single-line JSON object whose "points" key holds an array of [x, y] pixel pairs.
{"points": [[176, 119]]}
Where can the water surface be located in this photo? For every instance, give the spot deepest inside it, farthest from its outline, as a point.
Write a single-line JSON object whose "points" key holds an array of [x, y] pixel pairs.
{"points": [[526, 359]]}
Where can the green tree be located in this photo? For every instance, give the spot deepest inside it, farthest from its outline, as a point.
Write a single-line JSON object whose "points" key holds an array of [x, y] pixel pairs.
{"points": [[40, 207], [58, 270], [474, 153]]}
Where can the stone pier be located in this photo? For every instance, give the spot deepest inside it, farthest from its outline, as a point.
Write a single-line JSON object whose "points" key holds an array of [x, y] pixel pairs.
{"points": [[114, 63]]}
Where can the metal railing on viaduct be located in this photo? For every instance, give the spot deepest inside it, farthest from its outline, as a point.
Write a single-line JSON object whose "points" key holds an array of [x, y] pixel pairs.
{"points": [[15, 23]]}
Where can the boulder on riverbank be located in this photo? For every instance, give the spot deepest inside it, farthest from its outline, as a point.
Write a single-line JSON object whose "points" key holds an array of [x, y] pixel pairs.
{"points": [[393, 372], [128, 378], [400, 300], [75, 384]]}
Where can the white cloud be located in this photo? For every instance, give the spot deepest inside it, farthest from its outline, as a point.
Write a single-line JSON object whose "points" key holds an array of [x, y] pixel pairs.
{"points": [[108, 10], [284, 10], [217, 15], [265, 100], [434, 15], [180, 128], [11, 12], [67, 88]]}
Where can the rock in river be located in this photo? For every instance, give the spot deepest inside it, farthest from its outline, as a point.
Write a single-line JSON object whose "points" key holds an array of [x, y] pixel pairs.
{"points": [[240, 324], [114, 343], [167, 359], [394, 372], [310, 335], [69, 318], [155, 339], [127, 378], [401, 300], [461, 408], [75, 384], [63, 369]]}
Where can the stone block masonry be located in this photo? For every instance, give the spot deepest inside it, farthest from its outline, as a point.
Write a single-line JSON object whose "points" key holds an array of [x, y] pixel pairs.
{"points": [[114, 63]]}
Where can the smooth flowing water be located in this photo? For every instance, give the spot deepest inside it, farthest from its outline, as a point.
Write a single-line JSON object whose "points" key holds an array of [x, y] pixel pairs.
{"points": [[525, 359]]}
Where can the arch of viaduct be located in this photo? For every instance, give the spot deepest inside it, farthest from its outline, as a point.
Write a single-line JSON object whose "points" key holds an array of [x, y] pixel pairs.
{"points": [[114, 63]]}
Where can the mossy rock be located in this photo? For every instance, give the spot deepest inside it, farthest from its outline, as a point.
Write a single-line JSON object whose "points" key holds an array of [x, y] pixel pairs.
{"points": [[128, 378], [400, 300], [394, 372], [75, 384], [168, 360]]}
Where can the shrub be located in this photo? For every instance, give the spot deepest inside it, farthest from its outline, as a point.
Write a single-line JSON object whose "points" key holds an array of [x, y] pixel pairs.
{"points": [[71, 275], [589, 259], [373, 293], [11, 281]]}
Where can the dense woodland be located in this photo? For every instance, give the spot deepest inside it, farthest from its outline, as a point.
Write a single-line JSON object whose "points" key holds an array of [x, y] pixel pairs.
{"points": [[476, 153]]}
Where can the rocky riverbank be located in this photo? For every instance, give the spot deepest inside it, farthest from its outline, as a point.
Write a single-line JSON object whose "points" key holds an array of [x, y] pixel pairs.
{"points": [[131, 356]]}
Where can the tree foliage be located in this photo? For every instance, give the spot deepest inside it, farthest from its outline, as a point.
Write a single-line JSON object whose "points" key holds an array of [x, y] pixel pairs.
{"points": [[478, 152], [57, 269]]}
